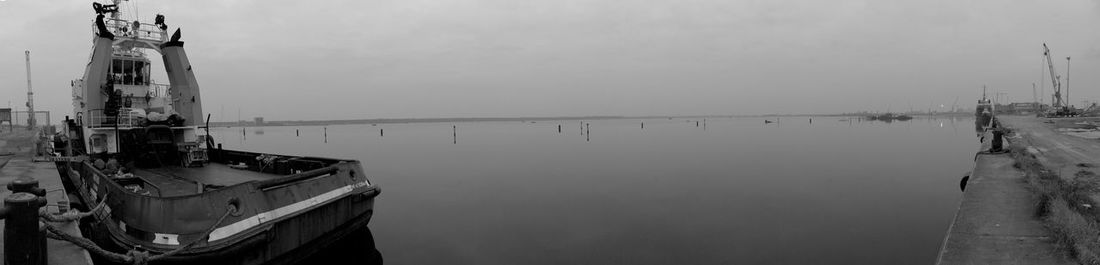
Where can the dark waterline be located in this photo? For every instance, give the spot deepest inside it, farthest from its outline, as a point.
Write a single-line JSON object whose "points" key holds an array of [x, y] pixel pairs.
{"points": [[828, 192]]}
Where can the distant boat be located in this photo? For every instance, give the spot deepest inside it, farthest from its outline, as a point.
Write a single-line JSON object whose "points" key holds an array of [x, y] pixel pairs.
{"points": [[983, 113], [767, 121], [889, 117]]}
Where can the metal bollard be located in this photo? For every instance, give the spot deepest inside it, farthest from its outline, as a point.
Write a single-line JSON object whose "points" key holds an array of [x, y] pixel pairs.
{"points": [[28, 185], [24, 242], [997, 143]]}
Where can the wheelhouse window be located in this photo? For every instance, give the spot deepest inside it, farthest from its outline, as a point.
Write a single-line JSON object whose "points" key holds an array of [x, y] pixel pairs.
{"points": [[141, 73], [116, 71], [129, 72]]}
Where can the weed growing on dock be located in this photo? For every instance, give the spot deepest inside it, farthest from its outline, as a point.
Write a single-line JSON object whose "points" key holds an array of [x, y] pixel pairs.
{"points": [[1064, 205], [1073, 232]]}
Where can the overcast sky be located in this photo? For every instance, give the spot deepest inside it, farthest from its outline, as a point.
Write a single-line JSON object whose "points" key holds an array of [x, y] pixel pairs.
{"points": [[288, 60]]}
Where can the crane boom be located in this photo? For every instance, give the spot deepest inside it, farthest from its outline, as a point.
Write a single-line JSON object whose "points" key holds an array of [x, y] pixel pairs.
{"points": [[1057, 102]]}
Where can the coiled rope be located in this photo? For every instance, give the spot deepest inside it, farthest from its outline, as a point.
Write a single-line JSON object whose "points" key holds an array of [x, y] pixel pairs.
{"points": [[134, 256]]}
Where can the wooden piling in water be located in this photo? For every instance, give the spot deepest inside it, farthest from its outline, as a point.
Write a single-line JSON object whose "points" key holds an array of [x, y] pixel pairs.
{"points": [[454, 133], [326, 134], [381, 132]]}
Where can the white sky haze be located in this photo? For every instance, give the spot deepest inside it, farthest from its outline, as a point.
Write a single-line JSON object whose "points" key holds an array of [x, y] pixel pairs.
{"points": [[291, 60]]}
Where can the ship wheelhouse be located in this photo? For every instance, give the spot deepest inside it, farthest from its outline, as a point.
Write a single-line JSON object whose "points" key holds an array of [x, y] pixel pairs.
{"points": [[117, 98]]}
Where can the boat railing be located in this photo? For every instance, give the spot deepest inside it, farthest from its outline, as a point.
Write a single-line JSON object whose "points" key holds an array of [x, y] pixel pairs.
{"points": [[124, 120], [279, 182], [158, 90], [143, 31]]}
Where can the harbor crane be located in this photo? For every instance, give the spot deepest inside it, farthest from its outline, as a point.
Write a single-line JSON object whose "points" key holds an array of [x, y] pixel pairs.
{"points": [[1060, 108], [31, 122]]}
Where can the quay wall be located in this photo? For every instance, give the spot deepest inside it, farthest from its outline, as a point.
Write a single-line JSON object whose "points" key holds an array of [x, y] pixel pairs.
{"points": [[995, 222]]}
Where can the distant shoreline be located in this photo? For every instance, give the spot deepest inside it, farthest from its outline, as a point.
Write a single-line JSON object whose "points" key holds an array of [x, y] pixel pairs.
{"points": [[524, 119]]}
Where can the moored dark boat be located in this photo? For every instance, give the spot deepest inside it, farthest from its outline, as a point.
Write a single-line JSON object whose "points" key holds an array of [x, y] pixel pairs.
{"points": [[143, 150], [983, 113]]}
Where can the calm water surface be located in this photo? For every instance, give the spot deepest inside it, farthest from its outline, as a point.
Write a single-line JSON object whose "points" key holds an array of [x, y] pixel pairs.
{"points": [[735, 192]]}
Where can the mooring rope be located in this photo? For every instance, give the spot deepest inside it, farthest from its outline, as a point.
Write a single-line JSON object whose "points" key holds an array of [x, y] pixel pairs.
{"points": [[134, 257], [55, 233], [72, 215], [229, 210]]}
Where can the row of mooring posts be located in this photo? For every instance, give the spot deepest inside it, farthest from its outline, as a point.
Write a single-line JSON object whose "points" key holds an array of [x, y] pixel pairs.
{"points": [[298, 133], [585, 127], [24, 241], [382, 133]]}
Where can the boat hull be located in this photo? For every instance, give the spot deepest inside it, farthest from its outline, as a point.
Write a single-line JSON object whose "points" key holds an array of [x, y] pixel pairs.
{"points": [[317, 207], [268, 248]]}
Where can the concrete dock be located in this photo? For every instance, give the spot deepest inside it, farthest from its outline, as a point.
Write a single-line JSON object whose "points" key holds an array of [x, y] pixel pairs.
{"points": [[16, 155], [996, 222]]}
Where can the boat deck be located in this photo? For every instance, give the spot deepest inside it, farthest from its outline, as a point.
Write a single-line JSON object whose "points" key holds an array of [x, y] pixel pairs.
{"points": [[176, 181]]}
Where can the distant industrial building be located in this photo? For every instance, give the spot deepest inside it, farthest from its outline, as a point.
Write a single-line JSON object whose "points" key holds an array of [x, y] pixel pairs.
{"points": [[5, 115], [1019, 108], [258, 121]]}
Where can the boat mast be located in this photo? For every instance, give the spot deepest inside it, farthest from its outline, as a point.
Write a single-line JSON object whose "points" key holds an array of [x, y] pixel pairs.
{"points": [[30, 95]]}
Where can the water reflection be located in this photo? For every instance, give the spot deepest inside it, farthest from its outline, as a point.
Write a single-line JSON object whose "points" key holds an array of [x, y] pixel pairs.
{"points": [[740, 192], [356, 248]]}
